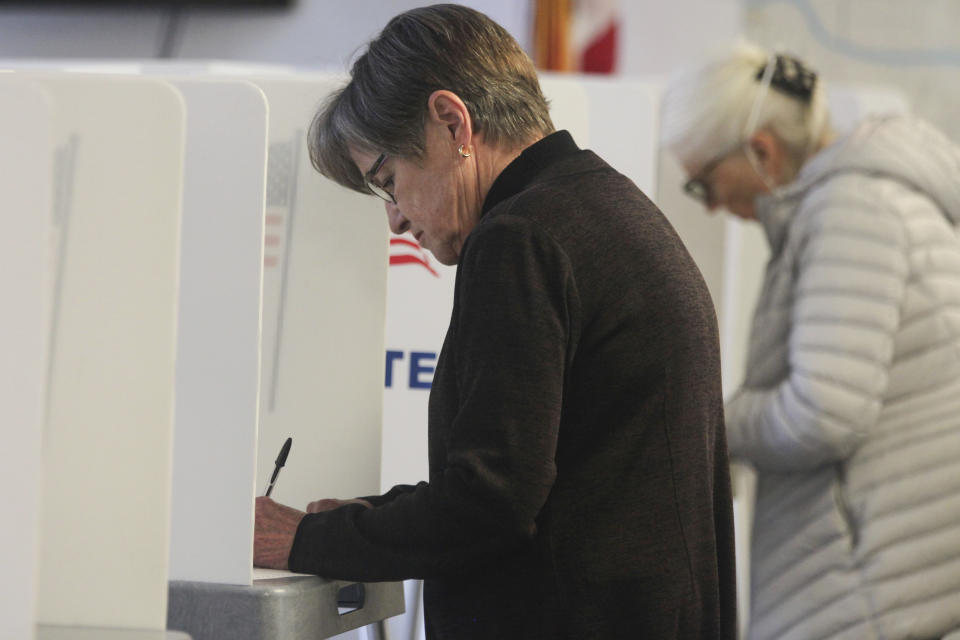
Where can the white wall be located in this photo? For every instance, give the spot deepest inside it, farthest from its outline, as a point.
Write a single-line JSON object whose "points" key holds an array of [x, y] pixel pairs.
{"points": [[658, 36], [655, 38], [77, 32], [913, 46], [315, 33]]}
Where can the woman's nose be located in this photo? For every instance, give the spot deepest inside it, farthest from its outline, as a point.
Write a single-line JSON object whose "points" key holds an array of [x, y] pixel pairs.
{"points": [[398, 224]]}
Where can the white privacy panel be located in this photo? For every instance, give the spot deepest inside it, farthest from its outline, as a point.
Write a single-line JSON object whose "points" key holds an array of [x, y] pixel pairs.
{"points": [[218, 352], [851, 102], [107, 440], [26, 171], [618, 118], [218, 342], [324, 299], [569, 105], [625, 127], [419, 302], [324, 253]]}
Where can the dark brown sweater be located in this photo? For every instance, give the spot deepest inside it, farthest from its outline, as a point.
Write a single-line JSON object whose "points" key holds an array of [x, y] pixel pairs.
{"points": [[579, 485]]}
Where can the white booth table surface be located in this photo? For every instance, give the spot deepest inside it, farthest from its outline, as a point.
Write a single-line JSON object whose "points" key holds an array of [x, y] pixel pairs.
{"points": [[56, 632]]}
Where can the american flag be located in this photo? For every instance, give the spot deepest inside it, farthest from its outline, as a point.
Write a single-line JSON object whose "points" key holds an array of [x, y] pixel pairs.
{"points": [[64, 172], [576, 35], [283, 160], [594, 28], [280, 167], [405, 250]]}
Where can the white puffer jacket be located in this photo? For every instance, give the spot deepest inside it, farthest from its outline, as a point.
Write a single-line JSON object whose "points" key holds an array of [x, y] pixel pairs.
{"points": [[850, 410]]}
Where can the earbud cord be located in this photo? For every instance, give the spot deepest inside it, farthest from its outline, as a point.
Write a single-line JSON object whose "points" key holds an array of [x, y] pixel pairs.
{"points": [[754, 118]]}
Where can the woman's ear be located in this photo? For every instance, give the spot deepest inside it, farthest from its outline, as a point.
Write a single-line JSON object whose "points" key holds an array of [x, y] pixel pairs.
{"points": [[769, 153], [446, 109]]}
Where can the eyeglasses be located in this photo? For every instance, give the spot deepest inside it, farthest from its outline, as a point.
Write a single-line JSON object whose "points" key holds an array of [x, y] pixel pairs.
{"points": [[698, 186], [375, 188]]}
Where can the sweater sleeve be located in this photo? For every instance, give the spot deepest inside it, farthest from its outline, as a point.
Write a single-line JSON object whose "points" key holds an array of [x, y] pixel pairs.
{"points": [[848, 284], [389, 496], [511, 323]]}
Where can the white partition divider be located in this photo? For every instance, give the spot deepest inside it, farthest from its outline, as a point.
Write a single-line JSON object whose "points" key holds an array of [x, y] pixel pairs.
{"points": [[218, 342], [323, 308], [26, 171], [851, 102], [569, 105], [107, 440], [419, 301], [324, 300], [616, 117], [625, 126]]}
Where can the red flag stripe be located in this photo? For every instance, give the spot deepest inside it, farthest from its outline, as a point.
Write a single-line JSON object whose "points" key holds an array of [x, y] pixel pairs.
{"points": [[405, 241], [407, 259]]}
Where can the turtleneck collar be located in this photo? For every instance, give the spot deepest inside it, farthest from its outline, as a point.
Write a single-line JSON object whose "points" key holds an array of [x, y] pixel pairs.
{"points": [[525, 167]]}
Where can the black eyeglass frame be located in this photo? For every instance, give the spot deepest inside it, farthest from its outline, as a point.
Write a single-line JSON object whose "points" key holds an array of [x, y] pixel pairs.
{"points": [[697, 186], [375, 188]]}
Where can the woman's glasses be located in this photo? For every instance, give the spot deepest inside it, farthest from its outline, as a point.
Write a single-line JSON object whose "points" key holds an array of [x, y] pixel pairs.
{"points": [[698, 187], [375, 188]]}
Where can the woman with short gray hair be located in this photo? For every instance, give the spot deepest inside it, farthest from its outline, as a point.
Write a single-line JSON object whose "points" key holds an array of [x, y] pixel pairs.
{"points": [[850, 407], [578, 482], [382, 106]]}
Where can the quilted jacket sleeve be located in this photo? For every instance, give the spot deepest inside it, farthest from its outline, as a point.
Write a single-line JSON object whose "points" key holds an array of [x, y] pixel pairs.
{"points": [[847, 263]]}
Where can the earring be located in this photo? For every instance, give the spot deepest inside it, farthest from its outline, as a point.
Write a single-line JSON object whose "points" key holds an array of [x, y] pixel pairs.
{"points": [[465, 154]]}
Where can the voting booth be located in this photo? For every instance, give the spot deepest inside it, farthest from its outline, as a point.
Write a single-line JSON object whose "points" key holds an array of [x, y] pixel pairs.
{"points": [[101, 184], [189, 293], [109, 423], [322, 255]]}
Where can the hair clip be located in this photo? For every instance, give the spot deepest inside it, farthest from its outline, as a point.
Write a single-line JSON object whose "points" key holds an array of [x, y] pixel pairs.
{"points": [[791, 77]]}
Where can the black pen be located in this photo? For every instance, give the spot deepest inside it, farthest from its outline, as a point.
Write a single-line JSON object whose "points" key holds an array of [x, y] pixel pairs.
{"points": [[281, 460]]}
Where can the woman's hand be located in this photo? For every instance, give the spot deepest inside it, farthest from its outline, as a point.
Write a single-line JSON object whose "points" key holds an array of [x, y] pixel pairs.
{"points": [[275, 527]]}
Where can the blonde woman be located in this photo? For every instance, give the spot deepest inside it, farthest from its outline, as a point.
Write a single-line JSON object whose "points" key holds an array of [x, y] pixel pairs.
{"points": [[850, 408]]}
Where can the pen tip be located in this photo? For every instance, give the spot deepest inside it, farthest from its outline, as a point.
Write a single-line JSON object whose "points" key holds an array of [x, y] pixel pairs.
{"points": [[282, 458]]}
